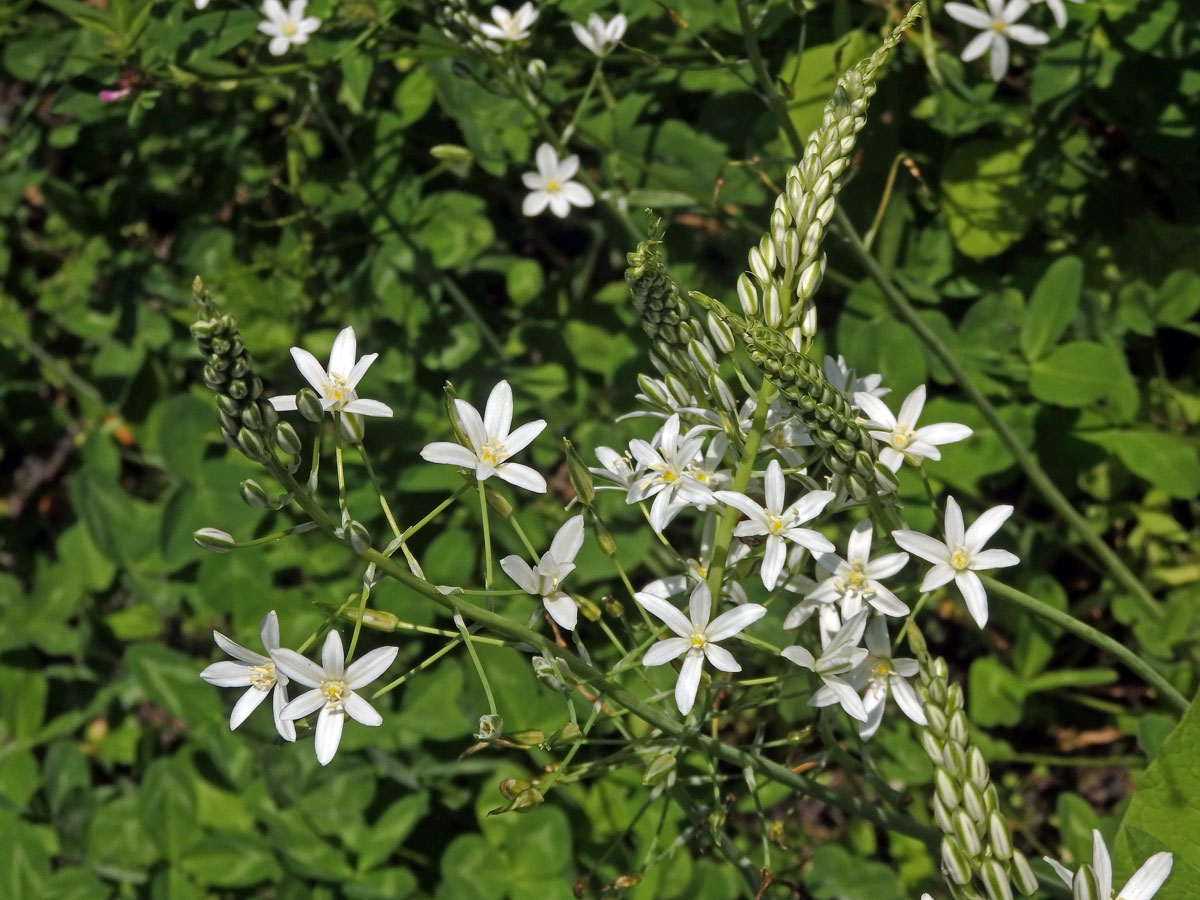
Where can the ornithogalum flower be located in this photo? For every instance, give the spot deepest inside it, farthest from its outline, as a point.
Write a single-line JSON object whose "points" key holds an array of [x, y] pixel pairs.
{"points": [[666, 464], [336, 385], [881, 674], [510, 26], [962, 555], [551, 185], [1142, 886], [599, 36], [333, 689], [846, 380], [256, 672], [840, 654], [287, 27], [490, 443], [778, 523], [696, 638], [997, 25], [903, 438], [555, 564], [854, 580]]}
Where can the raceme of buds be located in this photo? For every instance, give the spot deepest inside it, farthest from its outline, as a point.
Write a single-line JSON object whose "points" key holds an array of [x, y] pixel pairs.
{"points": [[977, 849], [247, 421]]}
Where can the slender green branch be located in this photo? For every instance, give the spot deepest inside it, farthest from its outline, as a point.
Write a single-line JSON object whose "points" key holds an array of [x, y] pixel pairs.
{"points": [[1093, 636]]}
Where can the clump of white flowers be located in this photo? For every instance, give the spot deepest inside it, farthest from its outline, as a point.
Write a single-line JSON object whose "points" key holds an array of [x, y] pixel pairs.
{"points": [[288, 27]]}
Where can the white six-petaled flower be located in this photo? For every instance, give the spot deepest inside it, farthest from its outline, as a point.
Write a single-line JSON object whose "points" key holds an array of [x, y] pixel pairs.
{"points": [[854, 580], [881, 674], [490, 443], [600, 37], [667, 464], [1142, 886], [846, 380], [903, 438], [551, 185], [255, 671], [554, 565], [997, 25], [840, 655], [336, 385], [510, 26], [697, 638], [286, 27], [962, 555], [333, 689], [780, 525]]}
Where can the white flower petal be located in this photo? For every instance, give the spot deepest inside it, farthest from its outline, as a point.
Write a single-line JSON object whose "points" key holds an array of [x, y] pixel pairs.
{"points": [[450, 454], [523, 436], [227, 674], [361, 711], [522, 477], [969, 15], [1102, 864], [907, 700], [237, 651], [368, 408], [955, 533], [343, 354], [974, 595], [985, 526], [994, 559], [999, 60], [329, 733], [941, 573], [576, 194], [369, 667], [734, 621], [333, 656], [876, 410], [670, 616], [774, 555], [497, 415], [312, 370], [304, 705], [562, 610], [979, 44], [285, 403], [520, 572], [666, 650], [535, 202], [922, 545], [800, 656], [568, 540], [297, 667], [689, 682], [721, 658], [471, 424], [910, 409], [1149, 878], [246, 704]]}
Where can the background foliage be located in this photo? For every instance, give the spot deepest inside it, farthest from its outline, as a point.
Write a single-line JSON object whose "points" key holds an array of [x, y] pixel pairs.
{"points": [[1045, 226]]}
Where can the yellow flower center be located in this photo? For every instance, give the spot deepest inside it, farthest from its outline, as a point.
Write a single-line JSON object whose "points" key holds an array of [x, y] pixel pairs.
{"points": [[289, 28], [493, 453], [337, 391], [774, 524], [334, 690], [668, 476], [263, 677], [882, 668], [902, 436], [960, 558], [698, 640], [552, 186], [856, 577], [998, 27]]}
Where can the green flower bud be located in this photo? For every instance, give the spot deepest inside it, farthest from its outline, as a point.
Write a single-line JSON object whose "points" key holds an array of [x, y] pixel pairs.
{"points": [[529, 738], [510, 787], [254, 495], [547, 673], [497, 502], [214, 539], [581, 477], [943, 783], [565, 736], [252, 445], [528, 799], [613, 607], [358, 537], [590, 610], [309, 405], [995, 880], [973, 801], [660, 769], [351, 427], [1022, 874], [955, 862], [604, 538], [287, 439], [999, 837], [964, 832]]}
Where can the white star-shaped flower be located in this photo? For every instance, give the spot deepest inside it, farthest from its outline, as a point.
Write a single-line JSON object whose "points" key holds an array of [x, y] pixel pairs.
{"points": [[554, 565], [697, 638], [880, 674], [336, 385], [616, 467], [510, 26], [1142, 886], [845, 379], [780, 525], [903, 438], [599, 36], [962, 555], [286, 26], [998, 24], [333, 689], [840, 654], [200, 4], [855, 580], [490, 442], [551, 185], [255, 671], [667, 464]]}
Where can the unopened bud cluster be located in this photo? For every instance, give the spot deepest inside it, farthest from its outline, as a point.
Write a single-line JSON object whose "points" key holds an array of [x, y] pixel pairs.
{"points": [[681, 348], [978, 855], [248, 422], [787, 265]]}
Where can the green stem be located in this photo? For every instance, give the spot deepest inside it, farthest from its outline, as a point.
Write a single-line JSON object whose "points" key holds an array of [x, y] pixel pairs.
{"points": [[409, 532], [741, 478], [487, 537], [665, 722], [1093, 636], [1024, 458]]}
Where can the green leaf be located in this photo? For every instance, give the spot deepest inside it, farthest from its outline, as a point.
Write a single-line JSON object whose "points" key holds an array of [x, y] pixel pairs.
{"points": [[836, 874], [172, 681], [598, 349], [168, 806], [473, 870], [987, 202], [228, 861], [1051, 307], [994, 694], [389, 832], [1078, 373], [1165, 814], [1178, 298], [1164, 460]]}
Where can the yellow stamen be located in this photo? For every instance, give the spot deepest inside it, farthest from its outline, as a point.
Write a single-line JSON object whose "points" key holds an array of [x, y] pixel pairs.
{"points": [[288, 28], [263, 676], [698, 640], [334, 690]]}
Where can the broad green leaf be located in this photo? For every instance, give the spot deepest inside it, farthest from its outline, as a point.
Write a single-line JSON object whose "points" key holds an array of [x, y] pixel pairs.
{"points": [[835, 874], [473, 870], [995, 695], [168, 806], [988, 202], [230, 862], [388, 833], [813, 74], [1078, 374], [1051, 307], [1165, 814], [1166, 461]]}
